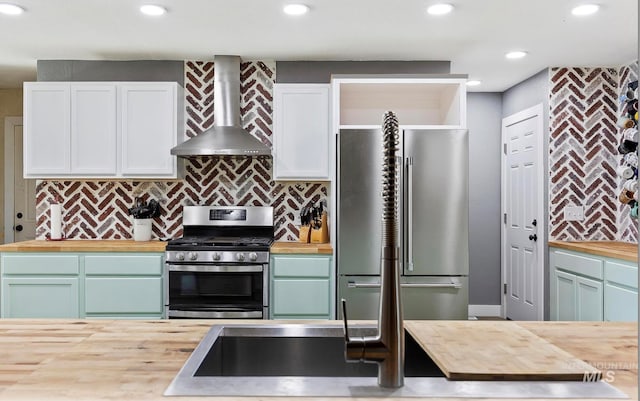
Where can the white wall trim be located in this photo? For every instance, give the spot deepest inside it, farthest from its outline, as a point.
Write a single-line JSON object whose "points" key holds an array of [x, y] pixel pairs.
{"points": [[9, 127], [485, 310], [543, 226]]}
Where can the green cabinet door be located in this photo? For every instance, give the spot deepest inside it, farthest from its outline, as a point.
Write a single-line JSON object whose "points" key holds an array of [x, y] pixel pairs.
{"points": [[589, 299], [621, 291], [563, 296], [40, 297]]}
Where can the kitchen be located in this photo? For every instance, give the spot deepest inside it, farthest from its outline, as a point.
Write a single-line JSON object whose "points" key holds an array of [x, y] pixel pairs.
{"points": [[204, 185]]}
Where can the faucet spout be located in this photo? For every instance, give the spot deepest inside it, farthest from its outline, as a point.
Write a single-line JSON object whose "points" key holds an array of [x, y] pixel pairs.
{"points": [[386, 348]]}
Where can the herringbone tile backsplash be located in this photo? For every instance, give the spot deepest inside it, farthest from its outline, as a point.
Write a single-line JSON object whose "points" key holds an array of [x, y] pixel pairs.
{"points": [[583, 154], [98, 209]]}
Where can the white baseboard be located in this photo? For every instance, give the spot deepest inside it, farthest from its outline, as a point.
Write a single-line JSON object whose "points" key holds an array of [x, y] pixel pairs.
{"points": [[485, 310]]}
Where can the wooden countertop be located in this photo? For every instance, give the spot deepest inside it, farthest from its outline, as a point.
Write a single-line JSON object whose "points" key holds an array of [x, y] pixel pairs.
{"points": [[282, 247], [84, 246], [611, 249], [136, 360]]}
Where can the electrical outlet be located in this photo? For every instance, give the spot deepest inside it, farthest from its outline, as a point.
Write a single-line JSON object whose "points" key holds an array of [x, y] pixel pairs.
{"points": [[296, 220], [574, 213]]}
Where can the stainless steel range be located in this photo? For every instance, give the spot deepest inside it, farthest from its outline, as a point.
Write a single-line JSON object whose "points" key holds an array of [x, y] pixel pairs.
{"points": [[219, 269]]}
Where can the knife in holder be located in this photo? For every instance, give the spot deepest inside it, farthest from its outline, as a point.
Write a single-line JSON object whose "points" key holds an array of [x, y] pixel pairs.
{"points": [[304, 233], [320, 231]]}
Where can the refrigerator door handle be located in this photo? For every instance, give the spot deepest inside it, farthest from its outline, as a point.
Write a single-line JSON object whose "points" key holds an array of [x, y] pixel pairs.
{"points": [[425, 285], [353, 284], [409, 195]]}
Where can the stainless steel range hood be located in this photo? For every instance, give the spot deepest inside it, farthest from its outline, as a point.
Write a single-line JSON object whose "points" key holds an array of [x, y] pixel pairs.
{"points": [[226, 137]]}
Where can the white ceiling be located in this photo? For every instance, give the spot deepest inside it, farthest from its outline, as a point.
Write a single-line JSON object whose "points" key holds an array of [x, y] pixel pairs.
{"points": [[474, 38]]}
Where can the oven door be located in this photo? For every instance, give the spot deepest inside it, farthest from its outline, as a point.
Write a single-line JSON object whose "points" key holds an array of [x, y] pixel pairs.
{"points": [[234, 291]]}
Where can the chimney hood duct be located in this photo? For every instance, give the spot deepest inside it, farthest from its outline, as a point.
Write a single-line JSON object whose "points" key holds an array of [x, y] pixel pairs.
{"points": [[226, 137]]}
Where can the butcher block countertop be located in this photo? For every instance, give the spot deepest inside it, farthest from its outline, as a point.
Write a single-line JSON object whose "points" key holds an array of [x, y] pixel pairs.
{"points": [[282, 247], [136, 360], [610, 249], [84, 246]]}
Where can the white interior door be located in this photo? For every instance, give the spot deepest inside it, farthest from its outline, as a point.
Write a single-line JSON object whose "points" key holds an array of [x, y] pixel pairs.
{"points": [[523, 225], [20, 194]]}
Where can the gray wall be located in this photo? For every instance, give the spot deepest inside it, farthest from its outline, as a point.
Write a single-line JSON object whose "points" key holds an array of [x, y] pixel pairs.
{"points": [[91, 70], [484, 120], [320, 71], [526, 94]]}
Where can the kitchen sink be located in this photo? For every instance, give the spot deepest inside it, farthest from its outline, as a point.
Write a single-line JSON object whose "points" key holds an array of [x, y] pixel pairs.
{"points": [[308, 360]]}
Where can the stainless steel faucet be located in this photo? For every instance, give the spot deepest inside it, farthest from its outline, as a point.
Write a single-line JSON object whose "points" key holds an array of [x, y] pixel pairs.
{"points": [[386, 348]]}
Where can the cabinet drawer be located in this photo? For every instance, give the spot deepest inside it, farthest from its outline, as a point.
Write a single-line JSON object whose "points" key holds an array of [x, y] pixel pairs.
{"points": [[620, 304], [123, 295], [578, 264], [39, 297], [304, 266], [301, 297], [620, 273], [134, 265], [40, 264]]}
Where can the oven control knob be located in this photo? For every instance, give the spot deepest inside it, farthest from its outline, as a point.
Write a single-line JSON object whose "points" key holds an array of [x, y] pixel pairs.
{"points": [[240, 256], [193, 255], [253, 256], [180, 256], [216, 256]]}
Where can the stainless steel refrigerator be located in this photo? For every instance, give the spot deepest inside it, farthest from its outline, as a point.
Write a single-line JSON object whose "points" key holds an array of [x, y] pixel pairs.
{"points": [[434, 222]]}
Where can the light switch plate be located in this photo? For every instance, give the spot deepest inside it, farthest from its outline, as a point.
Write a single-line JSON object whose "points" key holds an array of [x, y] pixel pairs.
{"points": [[574, 213], [296, 219]]}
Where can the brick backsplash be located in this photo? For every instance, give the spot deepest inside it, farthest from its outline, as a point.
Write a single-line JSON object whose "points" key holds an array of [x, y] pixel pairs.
{"points": [[98, 209], [583, 154]]}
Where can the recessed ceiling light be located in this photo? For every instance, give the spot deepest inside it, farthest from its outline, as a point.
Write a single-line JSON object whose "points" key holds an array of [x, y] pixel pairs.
{"points": [[295, 9], [152, 9], [473, 83], [585, 9], [10, 9], [515, 54], [440, 9]]}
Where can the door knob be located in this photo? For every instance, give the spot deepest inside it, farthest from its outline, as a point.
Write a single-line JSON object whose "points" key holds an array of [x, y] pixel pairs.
{"points": [[533, 237], [18, 227], [19, 215]]}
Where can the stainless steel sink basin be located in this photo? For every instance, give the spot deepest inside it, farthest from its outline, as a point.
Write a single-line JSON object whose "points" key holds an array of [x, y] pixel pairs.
{"points": [[308, 360]]}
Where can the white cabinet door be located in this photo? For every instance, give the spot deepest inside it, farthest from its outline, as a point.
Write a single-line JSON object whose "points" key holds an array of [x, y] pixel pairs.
{"points": [[46, 129], [93, 129], [301, 132], [148, 128]]}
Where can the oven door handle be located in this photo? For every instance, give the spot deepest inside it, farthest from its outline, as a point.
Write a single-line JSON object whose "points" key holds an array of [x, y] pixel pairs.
{"points": [[216, 268]]}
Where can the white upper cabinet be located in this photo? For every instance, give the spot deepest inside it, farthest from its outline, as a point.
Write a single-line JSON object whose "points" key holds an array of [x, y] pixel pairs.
{"points": [[93, 129], [101, 129], [46, 129], [418, 101], [148, 126], [301, 132]]}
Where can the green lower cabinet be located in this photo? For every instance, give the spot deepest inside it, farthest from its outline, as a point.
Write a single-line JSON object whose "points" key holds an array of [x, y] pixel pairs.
{"points": [[123, 286], [78, 285], [302, 287], [40, 297], [592, 288]]}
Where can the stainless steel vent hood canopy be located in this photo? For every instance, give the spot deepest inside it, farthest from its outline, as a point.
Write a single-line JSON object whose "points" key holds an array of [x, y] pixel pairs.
{"points": [[226, 137]]}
